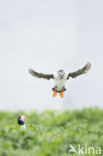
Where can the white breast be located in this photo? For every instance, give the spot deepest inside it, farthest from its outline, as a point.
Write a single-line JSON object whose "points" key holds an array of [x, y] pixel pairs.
{"points": [[60, 83]]}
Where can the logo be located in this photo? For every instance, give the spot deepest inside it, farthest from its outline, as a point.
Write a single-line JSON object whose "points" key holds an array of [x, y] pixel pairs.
{"points": [[85, 149]]}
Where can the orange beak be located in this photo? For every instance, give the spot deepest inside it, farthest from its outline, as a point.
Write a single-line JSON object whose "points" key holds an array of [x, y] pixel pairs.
{"points": [[25, 117]]}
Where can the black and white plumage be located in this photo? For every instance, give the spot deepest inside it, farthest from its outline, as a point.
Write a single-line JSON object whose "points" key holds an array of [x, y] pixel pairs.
{"points": [[60, 77], [20, 121], [41, 75]]}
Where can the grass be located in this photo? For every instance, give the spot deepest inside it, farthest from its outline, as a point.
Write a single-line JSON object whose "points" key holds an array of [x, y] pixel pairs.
{"points": [[50, 133]]}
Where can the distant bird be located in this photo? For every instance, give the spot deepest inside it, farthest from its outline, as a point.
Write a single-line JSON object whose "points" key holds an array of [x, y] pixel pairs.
{"points": [[21, 121], [60, 77]]}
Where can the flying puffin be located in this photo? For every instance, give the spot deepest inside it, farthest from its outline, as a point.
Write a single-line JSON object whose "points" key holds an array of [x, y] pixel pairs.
{"points": [[20, 121], [60, 77]]}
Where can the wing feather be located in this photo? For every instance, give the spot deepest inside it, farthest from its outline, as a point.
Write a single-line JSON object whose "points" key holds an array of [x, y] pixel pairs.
{"points": [[81, 71], [40, 75]]}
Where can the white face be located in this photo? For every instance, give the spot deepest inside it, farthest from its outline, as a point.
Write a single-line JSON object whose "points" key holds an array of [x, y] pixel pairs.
{"points": [[23, 118], [60, 74]]}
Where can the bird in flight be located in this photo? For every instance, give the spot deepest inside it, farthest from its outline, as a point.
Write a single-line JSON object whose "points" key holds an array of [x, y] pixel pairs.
{"points": [[60, 77]]}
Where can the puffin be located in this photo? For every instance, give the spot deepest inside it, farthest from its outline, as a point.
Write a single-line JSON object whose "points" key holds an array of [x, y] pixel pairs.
{"points": [[20, 121], [60, 78]]}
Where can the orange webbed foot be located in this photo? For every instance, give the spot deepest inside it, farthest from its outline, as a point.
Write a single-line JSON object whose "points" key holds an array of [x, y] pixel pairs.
{"points": [[54, 93], [61, 94]]}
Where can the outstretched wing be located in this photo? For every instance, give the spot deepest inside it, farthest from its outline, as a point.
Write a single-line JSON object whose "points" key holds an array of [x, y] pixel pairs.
{"points": [[40, 75], [81, 71]]}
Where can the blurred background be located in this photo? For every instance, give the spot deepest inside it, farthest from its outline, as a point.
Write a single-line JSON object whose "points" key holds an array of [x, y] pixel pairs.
{"points": [[47, 36]]}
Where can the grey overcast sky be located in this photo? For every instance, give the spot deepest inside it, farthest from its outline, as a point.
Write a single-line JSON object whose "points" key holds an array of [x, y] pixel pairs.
{"points": [[47, 36]]}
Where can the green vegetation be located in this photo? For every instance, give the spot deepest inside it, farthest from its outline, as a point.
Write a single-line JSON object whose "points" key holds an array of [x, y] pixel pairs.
{"points": [[50, 133]]}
